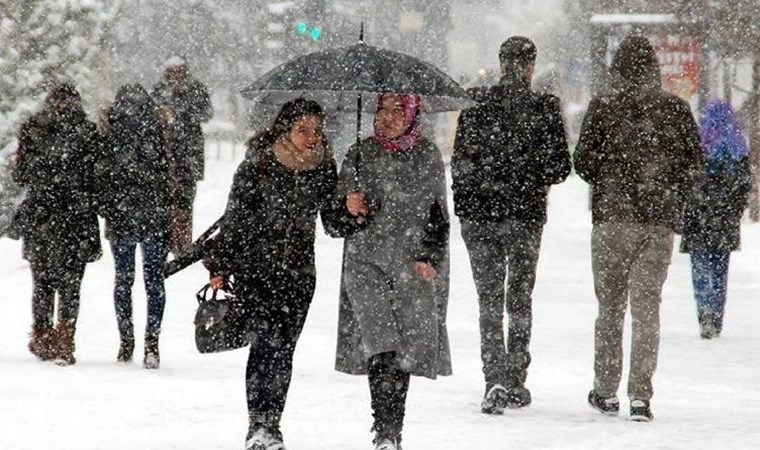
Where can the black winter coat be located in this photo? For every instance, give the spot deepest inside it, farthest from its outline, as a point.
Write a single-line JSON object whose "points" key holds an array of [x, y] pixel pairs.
{"points": [[508, 150], [270, 221], [136, 199], [57, 159], [190, 106], [714, 210]]}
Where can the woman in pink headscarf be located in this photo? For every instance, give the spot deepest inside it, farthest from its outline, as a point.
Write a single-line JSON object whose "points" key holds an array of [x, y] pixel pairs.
{"points": [[391, 209]]}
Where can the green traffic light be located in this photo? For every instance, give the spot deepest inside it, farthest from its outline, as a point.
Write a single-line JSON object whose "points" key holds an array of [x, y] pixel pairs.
{"points": [[302, 27], [316, 33]]}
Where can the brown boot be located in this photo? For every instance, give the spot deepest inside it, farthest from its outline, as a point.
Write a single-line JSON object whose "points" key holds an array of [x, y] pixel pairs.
{"points": [[42, 343], [65, 347], [152, 359]]}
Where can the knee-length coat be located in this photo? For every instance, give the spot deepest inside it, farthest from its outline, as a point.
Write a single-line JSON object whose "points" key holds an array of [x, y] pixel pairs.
{"points": [[384, 306]]}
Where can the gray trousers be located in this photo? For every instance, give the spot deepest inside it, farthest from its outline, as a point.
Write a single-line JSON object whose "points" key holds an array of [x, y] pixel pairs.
{"points": [[630, 264], [493, 247]]}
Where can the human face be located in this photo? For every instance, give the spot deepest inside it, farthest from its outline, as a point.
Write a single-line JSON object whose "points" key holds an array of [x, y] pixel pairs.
{"points": [[306, 134], [390, 116]]}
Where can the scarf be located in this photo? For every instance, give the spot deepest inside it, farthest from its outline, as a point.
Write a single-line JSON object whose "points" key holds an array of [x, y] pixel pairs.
{"points": [[412, 129], [292, 158]]}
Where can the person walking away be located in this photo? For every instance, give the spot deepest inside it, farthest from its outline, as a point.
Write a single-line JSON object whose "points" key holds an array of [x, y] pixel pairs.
{"points": [[639, 150], [509, 149], [136, 208], [391, 208], [185, 105], [713, 214], [266, 244], [57, 157]]}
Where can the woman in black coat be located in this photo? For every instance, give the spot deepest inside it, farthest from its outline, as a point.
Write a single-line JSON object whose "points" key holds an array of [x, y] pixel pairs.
{"points": [[266, 243], [713, 214], [136, 208], [56, 160]]}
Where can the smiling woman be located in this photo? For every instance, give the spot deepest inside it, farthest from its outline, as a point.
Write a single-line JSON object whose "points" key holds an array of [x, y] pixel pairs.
{"points": [[266, 242]]}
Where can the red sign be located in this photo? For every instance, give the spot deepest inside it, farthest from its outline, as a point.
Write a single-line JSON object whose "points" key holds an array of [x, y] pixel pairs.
{"points": [[680, 57]]}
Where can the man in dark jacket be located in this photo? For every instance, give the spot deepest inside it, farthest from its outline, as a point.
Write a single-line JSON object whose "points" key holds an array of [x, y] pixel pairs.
{"points": [[509, 150], [58, 152], [639, 150], [185, 105]]}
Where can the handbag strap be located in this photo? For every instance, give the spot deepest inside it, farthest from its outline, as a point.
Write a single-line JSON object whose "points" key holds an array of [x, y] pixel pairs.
{"points": [[202, 294]]}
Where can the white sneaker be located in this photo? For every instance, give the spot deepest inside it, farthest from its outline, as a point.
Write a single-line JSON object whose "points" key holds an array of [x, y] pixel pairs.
{"points": [[386, 444], [262, 439]]}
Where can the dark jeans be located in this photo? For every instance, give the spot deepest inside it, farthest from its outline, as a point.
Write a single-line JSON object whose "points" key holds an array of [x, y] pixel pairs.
{"points": [[388, 386], [154, 252], [49, 277], [493, 247], [709, 273], [279, 304]]}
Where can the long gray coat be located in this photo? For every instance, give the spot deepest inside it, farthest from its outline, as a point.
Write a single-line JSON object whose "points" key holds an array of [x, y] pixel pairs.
{"points": [[384, 306]]}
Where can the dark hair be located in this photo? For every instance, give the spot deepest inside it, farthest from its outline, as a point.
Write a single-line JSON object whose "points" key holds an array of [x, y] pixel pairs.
{"points": [[517, 51], [289, 114], [636, 61], [63, 91]]}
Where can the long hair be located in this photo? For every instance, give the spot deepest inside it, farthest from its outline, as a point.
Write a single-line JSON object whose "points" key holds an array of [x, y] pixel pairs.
{"points": [[289, 114]]}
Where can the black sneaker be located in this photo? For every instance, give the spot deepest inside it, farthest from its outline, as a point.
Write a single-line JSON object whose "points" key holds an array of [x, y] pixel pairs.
{"points": [[518, 397], [609, 406], [640, 411], [495, 400]]}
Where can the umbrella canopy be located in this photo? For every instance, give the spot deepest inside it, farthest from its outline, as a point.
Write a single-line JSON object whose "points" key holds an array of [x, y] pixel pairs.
{"points": [[339, 77]]}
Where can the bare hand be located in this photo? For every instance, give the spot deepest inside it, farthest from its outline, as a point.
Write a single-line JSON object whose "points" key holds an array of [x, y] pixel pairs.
{"points": [[424, 270], [356, 203], [217, 282]]}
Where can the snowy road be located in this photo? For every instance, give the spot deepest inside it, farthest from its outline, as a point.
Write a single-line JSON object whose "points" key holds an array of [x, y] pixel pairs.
{"points": [[706, 397]]}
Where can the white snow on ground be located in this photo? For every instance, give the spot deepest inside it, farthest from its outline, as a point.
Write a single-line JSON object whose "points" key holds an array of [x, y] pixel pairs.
{"points": [[706, 396]]}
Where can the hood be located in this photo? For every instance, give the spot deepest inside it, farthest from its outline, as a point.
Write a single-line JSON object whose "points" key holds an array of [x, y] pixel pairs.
{"points": [[635, 66]]}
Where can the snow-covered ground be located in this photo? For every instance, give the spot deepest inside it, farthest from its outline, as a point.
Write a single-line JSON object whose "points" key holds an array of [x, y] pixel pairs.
{"points": [[707, 393]]}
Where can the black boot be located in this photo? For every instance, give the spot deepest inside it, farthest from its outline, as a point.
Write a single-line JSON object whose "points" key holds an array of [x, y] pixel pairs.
{"points": [[152, 359], [517, 395], [388, 388], [127, 347]]}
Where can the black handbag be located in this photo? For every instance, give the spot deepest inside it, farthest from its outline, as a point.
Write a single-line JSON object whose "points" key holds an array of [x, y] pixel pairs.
{"points": [[221, 324]]}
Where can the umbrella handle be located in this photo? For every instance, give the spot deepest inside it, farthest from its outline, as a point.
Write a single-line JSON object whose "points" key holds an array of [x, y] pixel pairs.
{"points": [[358, 118]]}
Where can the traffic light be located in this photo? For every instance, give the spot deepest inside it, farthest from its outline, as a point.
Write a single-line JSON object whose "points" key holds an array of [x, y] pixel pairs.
{"points": [[309, 31]]}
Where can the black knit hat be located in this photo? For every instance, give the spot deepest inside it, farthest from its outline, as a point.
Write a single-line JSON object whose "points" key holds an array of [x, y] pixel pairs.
{"points": [[517, 50]]}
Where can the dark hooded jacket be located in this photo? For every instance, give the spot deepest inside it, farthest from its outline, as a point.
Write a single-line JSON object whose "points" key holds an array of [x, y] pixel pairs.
{"points": [[57, 158], [713, 214], [508, 150], [136, 198], [639, 145]]}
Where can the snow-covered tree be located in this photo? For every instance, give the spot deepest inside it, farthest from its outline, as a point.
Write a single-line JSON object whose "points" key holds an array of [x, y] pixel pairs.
{"points": [[45, 41]]}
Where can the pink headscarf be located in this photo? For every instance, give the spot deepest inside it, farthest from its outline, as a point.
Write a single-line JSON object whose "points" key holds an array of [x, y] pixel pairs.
{"points": [[412, 130]]}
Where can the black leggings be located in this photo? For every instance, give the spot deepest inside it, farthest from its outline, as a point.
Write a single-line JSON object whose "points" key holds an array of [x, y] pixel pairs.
{"points": [[47, 279], [388, 386], [280, 303]]}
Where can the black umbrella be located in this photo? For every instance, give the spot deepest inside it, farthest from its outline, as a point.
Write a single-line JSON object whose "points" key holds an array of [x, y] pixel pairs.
{"points": [[349, 79]]}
